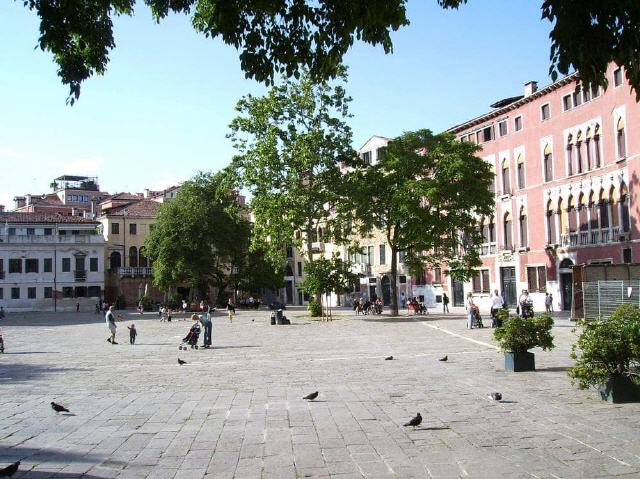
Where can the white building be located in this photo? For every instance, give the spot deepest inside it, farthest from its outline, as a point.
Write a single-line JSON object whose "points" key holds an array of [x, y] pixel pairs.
{"points": [[50, 262]]}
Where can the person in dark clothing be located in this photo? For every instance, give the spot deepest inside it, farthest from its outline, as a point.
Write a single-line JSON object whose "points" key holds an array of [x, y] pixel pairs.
{"points": [[132, 333], [445, 303]]}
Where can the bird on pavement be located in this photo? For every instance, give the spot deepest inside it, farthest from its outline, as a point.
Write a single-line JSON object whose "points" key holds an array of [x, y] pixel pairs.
{"points": [[496, 396], [444, 358], [181, 362], [389, 358], [311, 396], [415, 421], [10, 470], [58, 407]]}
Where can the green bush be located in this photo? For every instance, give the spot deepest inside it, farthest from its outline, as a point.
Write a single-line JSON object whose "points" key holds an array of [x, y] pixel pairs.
{"points": [[607, 348], [519, 335], [314, 308]]}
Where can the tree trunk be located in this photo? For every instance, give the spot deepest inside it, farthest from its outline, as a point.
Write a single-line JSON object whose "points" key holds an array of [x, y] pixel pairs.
{"points": [[394, 284], [318, 294]]}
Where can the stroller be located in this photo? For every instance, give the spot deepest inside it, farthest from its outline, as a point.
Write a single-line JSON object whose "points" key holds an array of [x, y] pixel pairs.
{"points": [[191, 339], [476, 319]]}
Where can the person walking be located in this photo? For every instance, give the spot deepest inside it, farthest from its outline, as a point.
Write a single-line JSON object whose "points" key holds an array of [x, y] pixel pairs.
{"points": [[111, 324], [132, 334], [497, 303], [445, 303], [207, 325], [470, 310], [231, 310], [550, 302]]}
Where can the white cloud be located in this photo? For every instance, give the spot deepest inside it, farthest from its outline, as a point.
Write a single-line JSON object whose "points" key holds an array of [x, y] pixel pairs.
{"points": [[83, 166]]}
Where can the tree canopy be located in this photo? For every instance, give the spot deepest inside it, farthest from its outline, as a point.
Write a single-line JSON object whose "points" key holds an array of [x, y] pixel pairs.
{"points": [[283, 36], [425, 193]]}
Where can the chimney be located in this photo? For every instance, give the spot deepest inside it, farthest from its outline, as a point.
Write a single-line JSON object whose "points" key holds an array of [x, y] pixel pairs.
{"points": [[146, 192], [73, 212], [28, 199], [530, 88], [1, 208], [18, 202]]}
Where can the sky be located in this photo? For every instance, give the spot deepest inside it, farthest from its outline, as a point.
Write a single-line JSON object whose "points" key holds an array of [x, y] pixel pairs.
{"points": [[161, 112]]}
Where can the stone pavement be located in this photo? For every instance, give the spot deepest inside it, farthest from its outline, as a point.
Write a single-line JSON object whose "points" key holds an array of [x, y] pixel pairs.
{"points": [[236, 411]]}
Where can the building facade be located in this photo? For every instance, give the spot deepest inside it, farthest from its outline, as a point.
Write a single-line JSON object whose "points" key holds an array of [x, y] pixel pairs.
{"points": [[566, 163], [50, 262]]}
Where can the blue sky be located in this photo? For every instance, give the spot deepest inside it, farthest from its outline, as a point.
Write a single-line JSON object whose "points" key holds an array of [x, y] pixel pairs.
{"points": [[162, 110]]}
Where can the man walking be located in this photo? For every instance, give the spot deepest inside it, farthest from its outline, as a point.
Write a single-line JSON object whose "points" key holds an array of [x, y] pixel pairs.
{"points": [[111, 324], [445, 303]]}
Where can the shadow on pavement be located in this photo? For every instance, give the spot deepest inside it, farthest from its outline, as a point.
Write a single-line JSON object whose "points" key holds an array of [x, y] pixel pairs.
{"points": [[26, 372], [554, 369]]}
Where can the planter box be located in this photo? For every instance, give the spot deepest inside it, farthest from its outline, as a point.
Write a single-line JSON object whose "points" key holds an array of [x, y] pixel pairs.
{"points": [[517, 362], [619, 389]]}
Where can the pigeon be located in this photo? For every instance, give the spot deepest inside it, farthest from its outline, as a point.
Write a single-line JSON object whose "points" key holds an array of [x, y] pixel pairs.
{"points": [[311, 396], [10, 470], [444, 358], [58, 407], [415, 421], [496, 396], [181, 362], [389, 358]]}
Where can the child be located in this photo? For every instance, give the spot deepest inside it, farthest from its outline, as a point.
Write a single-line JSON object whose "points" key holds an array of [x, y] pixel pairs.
{"points": [[231, 310], [1, 342], [132, 334]]}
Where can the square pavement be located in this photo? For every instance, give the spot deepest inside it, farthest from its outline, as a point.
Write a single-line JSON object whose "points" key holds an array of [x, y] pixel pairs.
{"points": [[236, 411]]}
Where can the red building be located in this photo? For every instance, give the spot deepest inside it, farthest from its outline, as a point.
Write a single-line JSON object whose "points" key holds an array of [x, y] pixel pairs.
{"points": [[566, 162]]}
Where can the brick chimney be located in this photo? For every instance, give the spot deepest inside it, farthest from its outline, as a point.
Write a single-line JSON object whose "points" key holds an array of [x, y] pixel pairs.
{"points": [[530, 88], [19, 202], [1, 208]]}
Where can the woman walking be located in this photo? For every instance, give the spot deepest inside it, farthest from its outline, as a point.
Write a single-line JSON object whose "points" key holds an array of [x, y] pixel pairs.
{"points": [[470, 310], [231, 310]]}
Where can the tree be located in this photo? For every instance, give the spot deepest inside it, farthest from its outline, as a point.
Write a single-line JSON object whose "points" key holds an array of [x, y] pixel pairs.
{"points": [[254, 272], [199, 236], [290, 143], [281, 36], [425, 194]]}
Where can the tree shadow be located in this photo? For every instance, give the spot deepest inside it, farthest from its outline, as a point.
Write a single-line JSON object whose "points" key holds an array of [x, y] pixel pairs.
{"points": [[554, 369], [434, 428], [394, 319], [19, 372], [237, 347]]}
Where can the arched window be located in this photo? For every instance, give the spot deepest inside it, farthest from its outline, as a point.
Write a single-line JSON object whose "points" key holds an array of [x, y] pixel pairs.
{"points": [[571, 214], [613, 198], [485, 230], [596, 145], [587, 148], [288, 271], [320, 234], [569, 155], [593, 212], [624, 207], [582, 212], [506, 182], [115, 261], [508, 238], [492, 230], [142, 255], [492, 185], [551, 224], [604, 210], [579, 152], [566, 263], [621, 139], [564, 218], [520, 171], [133, 257], [524, 240], [548, 163]]}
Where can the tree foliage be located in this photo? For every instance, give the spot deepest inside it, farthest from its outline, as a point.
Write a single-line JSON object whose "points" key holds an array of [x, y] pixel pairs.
{"points": [[290, 143], [280, 36], [200, 236], [327, 275], [425, 193]]}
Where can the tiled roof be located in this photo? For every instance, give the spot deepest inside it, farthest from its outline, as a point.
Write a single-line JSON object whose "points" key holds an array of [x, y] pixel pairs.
{"points": [[140, 209], [17, 217], [122, 197]]}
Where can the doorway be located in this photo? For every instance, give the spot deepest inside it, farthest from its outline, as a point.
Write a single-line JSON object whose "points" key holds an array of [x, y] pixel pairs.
{"points": [[566, 283], [288, 288], [458, 292], [508, 282], [386, 290]]}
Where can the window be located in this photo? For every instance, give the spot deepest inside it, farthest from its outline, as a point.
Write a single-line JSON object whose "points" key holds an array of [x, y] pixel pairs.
{"points": [[401, 256], [370, 255], [437, 275], [366, 157], [502, 128], [299, 268], [586, 95], [626, 255], [617, 77], [545, 112], [506, 182], [1, 293], [31, 231], [48, 231], [480, 281], [15, 265], [93, 264], [566, 103], [548, 164], [1, 265], [133, 228], [569, 158], [596, 148], [517, 123], [115, 228], [93, 291], [31, 293], [289, 251], [383, 252], [31, 265], [48, 292], [67, 292], [80, 291], [524, 240], [15, 293], [66, 265], [537, 279], [621, 139], [115, 260], [577, 98], [380, 152], [487, 133], [133, 257], [11, 231], [402, 279], [508, 239], [520, 172]]}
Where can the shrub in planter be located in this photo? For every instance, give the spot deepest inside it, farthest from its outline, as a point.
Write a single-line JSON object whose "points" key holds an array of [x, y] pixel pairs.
{"points": [[314, 308], [607, 355], [518, 335]]}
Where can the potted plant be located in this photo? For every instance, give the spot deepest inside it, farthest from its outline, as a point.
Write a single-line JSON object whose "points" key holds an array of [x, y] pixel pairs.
{"points": [[607, 355], [518, 335]]}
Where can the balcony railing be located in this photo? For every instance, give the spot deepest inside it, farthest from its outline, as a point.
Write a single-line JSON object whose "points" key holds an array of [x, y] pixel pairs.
{"points": [[488, 248], [361, 268], [133, 272], [317, 246], [67, 239], [80, 275], [583, 238]]}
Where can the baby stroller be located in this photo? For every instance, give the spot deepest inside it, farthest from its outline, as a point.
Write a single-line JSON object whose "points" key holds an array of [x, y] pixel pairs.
{"points": [[191, 339], [476, 319]]}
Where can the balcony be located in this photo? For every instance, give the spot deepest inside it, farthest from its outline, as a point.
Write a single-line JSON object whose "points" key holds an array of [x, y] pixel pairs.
{"points": [[361, 268], [51, 239], [488, 248], [135, 272], [80, 275], [593, 237], [317, 247]]}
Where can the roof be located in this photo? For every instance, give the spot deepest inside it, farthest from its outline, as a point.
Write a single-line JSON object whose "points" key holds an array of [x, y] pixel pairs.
{"points": [[506, 101], [122, 197], [513, 105], [146, 208], [39, 217]]}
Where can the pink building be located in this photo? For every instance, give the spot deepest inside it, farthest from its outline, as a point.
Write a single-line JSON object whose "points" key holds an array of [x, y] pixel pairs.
{"points": [[567, 166]]}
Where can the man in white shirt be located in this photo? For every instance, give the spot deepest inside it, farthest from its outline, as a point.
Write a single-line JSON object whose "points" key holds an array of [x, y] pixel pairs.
{"points": [[497, 303]]}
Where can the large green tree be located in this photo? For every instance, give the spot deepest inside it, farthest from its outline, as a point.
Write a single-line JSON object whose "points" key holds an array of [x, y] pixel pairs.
{"points": [[290, 144], [200, 238], [280, 36], [425, 193]]}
